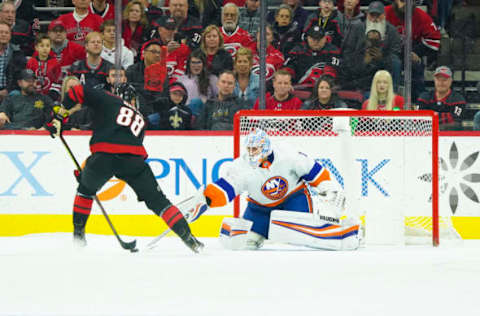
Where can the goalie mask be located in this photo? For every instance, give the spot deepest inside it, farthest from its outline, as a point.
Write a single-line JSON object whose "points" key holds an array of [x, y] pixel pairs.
{"points": [[258, 147], [127, 92]]}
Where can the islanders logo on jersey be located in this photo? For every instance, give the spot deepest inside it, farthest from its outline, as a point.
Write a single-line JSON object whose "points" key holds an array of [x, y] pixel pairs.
{"points": [[275, 188]]}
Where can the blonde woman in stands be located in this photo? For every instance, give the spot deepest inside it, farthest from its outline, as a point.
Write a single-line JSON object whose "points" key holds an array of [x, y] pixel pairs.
{"points": [[381, 94]]}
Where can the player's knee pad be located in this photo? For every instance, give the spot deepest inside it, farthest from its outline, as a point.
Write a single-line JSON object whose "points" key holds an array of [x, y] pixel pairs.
{"points": [[311, 230], [235, 234]]}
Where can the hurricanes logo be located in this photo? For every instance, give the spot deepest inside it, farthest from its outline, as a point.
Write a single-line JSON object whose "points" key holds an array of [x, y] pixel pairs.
{"points": [[275, 188]]}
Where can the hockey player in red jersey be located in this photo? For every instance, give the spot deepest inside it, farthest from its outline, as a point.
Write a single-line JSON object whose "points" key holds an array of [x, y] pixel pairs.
{"points": [[117, 150]]}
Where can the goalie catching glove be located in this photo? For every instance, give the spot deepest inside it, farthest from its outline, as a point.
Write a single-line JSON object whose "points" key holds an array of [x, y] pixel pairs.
{"points": [[59, 118], [329, 199]]}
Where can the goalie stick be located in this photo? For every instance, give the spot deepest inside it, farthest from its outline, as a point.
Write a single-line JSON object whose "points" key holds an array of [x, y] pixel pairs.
{"points": [[152, 244], [125, 245]]}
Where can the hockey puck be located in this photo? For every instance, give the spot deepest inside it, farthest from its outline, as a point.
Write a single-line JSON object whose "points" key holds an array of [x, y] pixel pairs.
{"points": [[134, 250]]}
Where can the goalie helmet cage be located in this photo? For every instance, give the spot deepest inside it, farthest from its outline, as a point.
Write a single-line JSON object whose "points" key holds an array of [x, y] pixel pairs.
{"points": [[387, 161]]}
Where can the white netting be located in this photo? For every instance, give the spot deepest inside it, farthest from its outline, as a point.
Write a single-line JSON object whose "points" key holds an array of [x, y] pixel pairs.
{"points": [[378, 158]]}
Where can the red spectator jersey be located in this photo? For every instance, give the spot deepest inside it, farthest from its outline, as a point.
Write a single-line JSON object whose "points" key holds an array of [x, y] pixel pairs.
{"points": [[237, 39], [70, 54], [425, 34], [177, 61], [107, 14], [48, 74], [398, 102], [77, 31], [274, 61], [291, 103], [239, 3]]}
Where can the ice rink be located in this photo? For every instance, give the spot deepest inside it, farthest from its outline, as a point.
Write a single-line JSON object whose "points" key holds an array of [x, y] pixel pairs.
{"points": [[45, 275]]}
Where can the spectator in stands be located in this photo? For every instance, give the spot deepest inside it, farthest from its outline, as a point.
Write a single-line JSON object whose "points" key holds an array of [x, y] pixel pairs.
{"points": [[173, 114], [12, 61], [102, 8], [425, 39], [199, 83], [300, 15], [351, 10], [25, 110], [217, 114], [22, 34], [324, 96], [189, 28], [313, 58], [80, 22], [135, 25], [92, 70], [449, 104], [382, 96], [208, 11], [46, 68], [288, 33], [177, 52], [108, 51], [218, 59], [329, 19], [247, 82], [67, 52], [149, 76], [282, 97], [249, 19], [357, 74], [274, 59], [234, 37], [80, 120], [391, 41]]}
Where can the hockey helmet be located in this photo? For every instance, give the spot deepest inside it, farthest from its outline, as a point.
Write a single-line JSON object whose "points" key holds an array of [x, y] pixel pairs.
{"points": [[258, 147], [127, 92]]}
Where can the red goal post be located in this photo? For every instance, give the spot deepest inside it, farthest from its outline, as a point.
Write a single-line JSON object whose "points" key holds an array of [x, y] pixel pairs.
{"points": [[343, 139]]}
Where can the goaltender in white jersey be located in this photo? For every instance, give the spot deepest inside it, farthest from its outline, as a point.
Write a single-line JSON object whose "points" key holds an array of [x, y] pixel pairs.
{"points": [[291, 199]]}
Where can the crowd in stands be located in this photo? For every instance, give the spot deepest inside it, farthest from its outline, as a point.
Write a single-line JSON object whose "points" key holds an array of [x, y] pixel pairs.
{"points": [[194, 63]]}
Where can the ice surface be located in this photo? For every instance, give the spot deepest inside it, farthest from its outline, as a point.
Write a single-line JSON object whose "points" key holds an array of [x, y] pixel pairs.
{"points": [[45, 275]]}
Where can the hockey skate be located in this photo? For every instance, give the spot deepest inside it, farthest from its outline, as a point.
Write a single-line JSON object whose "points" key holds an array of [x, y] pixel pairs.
{"points": [[79, 236], [193, 243]]}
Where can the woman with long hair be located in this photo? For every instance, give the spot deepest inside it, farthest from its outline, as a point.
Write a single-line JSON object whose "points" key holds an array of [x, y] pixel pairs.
{"points": [[324, 96], [135, 23], [200, 84], [218, 59], [381, 94], [247, 83]]}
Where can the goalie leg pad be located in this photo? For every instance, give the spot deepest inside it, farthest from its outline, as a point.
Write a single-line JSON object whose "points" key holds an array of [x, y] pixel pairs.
{"points": [[311, 230], [235, 234]]}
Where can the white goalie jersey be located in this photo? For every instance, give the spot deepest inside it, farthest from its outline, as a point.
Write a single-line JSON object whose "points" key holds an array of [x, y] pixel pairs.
{"points": [[282, 174]]}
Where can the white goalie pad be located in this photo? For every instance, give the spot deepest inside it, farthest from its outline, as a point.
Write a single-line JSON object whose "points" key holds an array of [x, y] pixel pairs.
{"points": [[235, 234], [312, 230]]}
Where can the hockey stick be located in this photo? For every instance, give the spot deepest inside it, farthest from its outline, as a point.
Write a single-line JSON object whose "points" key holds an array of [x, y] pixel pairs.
{"points": [[154, 242], [125, 245]]}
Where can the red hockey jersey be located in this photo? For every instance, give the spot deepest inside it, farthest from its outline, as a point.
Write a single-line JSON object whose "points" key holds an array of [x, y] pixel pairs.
{"points": [[48, 74], [107, 14], [77, 31], [291, 103], [425, 34], [237, 39], [274, 61]]}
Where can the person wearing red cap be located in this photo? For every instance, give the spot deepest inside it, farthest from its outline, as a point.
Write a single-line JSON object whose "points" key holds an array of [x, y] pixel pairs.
{"points": [[449, 104], [67, 52]]}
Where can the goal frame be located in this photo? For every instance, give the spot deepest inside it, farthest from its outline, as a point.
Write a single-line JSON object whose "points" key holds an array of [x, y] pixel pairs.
{"points": [[364, 113]]}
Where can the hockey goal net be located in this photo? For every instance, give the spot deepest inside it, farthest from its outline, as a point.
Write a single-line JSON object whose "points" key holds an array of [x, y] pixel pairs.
{"points": [[387, 163]]}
